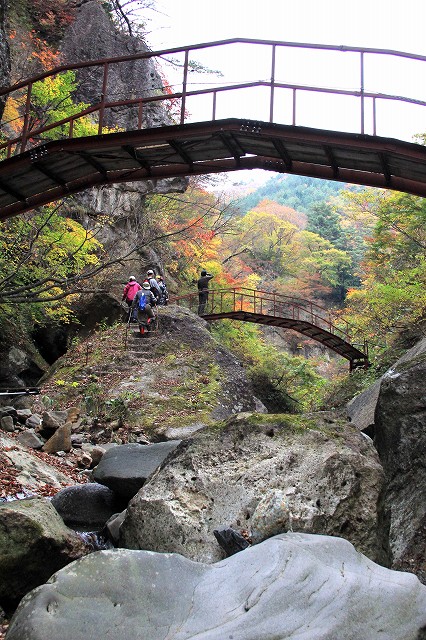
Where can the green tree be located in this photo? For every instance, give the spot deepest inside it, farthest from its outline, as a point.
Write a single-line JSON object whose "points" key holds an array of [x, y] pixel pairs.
{"points": [[393, 292], [44, 260], [52, 101]]}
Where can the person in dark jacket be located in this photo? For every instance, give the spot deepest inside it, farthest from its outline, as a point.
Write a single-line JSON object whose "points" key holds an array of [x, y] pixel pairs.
{"points": [[164, 298], [203, 291], [154, 286]]}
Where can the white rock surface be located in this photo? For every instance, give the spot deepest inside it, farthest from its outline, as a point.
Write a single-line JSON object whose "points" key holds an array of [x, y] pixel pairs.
{"points": [[292, 586]]}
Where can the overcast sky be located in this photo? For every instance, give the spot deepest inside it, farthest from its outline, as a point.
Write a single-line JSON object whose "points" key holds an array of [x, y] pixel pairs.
{"points": [[386, 24]]}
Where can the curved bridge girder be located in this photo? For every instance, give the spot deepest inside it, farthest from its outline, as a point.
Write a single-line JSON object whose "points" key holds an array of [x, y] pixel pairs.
{"points": [[60, 168], [330, 340]]}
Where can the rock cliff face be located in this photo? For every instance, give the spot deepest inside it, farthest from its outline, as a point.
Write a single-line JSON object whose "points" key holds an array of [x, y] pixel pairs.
{"points": [[400, 438], [92, 36], [4, 54], [393, 412]]}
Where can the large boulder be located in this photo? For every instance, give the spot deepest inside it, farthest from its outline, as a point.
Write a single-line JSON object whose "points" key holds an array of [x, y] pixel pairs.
{"points": [[291, 586], [34, 543], [125, 468], [260, 475], [400, 438], [86, 507]]}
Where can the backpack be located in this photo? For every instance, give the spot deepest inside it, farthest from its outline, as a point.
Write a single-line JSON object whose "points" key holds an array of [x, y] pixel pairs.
{"points": [[142, 302]]}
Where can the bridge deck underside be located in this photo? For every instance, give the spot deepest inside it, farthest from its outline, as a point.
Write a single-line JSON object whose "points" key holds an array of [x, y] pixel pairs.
{"points": [[56, 169], [330, 340]]}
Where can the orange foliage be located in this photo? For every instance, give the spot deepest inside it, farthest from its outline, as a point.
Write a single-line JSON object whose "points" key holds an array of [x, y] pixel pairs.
{"points": [[297, 218]]}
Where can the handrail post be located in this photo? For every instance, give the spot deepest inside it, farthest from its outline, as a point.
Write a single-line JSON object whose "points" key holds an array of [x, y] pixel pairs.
{"points": [[103, 94], [214, 106], [26, 117], [140, 114], [271, 98], [374, 117], [362, 91], [294, 107], [184, 87]]}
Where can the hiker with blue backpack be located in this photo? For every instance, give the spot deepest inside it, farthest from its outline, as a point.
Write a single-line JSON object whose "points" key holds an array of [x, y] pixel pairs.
{"points": [[143, 303]]}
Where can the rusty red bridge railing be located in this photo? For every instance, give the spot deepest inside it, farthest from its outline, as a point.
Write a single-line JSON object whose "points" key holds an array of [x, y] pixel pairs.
{"points": [[274, 309], [280, 100]]}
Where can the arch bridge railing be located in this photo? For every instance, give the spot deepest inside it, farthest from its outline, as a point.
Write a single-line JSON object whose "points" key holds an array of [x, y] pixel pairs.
{"points": [[275, 305], [273, 65]]}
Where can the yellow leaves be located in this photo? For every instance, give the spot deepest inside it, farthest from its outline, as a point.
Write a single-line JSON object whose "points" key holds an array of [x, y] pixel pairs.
{"points": [[11, 114]]}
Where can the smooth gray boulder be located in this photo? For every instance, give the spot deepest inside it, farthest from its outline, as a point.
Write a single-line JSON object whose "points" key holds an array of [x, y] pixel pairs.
{"points": [[34, 543], [296, 586], [125, 468], [86, 507], [260, 475]]}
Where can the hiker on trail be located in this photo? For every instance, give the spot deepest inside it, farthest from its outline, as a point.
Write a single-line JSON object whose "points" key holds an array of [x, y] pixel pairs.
{"points": [[164, 298], [130, 290], [203, 291], [153, 284], [150, 302]]}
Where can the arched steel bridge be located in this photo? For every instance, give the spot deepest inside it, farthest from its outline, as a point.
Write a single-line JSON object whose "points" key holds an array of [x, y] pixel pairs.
{"points": [[276, 310], [43, 161]]}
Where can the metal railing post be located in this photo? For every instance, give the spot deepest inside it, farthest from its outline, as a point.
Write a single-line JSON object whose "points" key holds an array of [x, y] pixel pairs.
{"points": [[294, 107], [140, 114], [374, 117], [26, 117], [362, 92], [103, 94], [271, 98], [184, 87]]}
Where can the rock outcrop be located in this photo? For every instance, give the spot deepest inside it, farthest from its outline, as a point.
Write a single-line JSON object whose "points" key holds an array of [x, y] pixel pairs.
{"points": [[393, 411], [260, 475], [4, 54], [400, 438], [290, 586], [93, 36]]}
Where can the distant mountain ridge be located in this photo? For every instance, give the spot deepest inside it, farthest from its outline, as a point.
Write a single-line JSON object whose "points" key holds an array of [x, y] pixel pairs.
{"points": [[297, 192]]}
